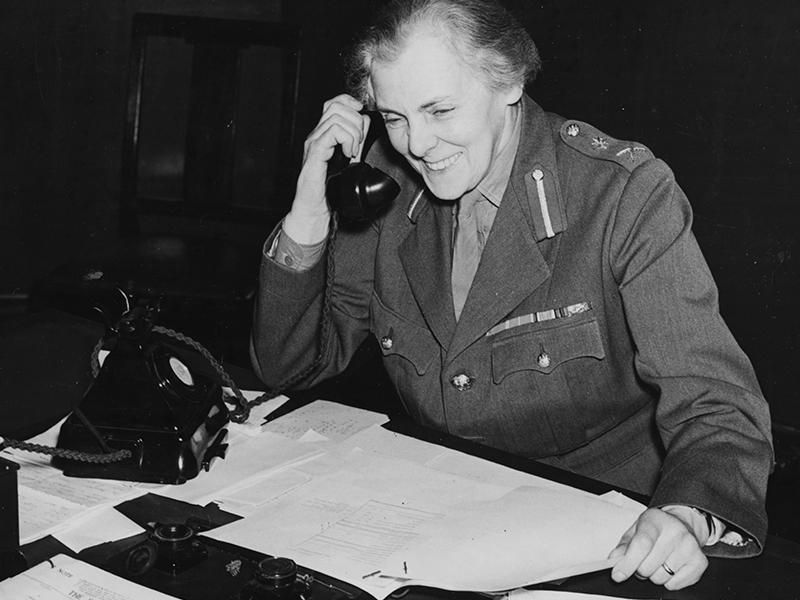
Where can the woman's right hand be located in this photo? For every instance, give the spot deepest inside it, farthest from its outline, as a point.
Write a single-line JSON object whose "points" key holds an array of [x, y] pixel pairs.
{"points": [[340, 124]]}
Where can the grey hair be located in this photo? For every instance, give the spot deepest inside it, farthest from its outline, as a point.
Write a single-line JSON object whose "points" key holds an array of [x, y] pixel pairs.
{"points": [[499, 49]]}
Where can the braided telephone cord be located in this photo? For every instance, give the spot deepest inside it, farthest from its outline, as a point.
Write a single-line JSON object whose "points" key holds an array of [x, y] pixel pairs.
{"points": [[242, 412], [68, 454]]}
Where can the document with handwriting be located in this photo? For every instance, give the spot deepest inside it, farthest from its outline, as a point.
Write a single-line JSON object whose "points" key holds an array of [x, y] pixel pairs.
{"points": [[67, 578]]}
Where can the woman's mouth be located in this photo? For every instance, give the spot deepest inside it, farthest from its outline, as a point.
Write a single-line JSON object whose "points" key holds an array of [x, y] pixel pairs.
{"points": [[441, 165]]}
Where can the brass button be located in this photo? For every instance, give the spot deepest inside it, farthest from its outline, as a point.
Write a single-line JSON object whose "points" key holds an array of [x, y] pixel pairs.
{"points": [[462, 382], [543, 360], [387, 342]]}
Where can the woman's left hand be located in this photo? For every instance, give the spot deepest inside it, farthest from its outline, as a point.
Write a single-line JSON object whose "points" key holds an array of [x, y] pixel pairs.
{"points": [[662, 548]]}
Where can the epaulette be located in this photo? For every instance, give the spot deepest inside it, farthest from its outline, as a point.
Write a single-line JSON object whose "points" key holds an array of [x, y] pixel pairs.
{"points": [[592, 142]]}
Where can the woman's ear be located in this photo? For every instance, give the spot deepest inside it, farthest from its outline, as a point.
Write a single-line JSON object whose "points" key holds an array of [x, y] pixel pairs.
{"points": [[513, 94]]}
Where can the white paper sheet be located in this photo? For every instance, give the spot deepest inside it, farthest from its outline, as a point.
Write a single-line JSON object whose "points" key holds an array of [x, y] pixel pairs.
{"points": [[388, 443], [248, 459], [97, 526], [324, 421], [353, 512], [65, 578], [380, 523], [530, 535]]}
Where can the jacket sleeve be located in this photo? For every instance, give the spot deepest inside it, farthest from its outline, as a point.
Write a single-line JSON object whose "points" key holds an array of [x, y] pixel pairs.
{"points": [[711, 415], [288, 327]]}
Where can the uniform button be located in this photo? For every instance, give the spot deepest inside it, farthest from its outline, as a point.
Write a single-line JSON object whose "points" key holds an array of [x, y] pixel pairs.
{"points": [[543, 359], [288, 260], [387, 342], [462, 382]]}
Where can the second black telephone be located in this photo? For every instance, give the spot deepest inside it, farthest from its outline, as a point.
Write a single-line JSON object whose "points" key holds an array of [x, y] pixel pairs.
{"points": [[148, 402]]}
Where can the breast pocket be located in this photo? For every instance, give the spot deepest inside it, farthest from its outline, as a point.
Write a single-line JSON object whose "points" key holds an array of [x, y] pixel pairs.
{"points": [[544, 375], [410, 354]]}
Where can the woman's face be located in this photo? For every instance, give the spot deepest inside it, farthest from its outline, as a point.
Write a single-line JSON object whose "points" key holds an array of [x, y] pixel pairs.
{"points": [[440, 116]]}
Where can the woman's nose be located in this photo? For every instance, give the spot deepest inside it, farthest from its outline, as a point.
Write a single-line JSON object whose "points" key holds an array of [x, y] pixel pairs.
{"points": [[421, 139]]}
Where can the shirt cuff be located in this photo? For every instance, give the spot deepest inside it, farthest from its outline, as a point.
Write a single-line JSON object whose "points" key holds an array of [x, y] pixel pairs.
{"points": [[287, 253], [703, 524]]}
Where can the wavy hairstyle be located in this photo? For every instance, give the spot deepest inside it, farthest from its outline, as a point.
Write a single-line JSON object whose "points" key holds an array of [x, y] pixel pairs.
{"points": [[488, 38]]}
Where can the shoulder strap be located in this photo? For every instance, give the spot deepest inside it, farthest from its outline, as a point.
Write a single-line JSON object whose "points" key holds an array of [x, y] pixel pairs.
{"points": [[594, 143]]}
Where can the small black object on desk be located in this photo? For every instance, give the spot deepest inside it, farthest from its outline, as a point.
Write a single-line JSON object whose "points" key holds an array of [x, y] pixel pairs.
{"points": [[11, 560]]}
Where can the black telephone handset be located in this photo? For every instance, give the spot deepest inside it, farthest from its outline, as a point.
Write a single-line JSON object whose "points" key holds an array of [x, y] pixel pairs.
{"points": [[360, 192]]}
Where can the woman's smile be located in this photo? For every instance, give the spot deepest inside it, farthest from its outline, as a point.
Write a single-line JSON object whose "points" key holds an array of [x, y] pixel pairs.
{"points": [[441, 165]]}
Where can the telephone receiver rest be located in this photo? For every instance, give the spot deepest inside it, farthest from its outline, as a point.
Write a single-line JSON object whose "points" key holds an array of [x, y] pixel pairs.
{"points": [[360, 192]]}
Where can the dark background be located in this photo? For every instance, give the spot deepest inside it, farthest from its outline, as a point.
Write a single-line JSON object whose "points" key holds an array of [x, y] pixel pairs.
{"points": [[710, 87]]}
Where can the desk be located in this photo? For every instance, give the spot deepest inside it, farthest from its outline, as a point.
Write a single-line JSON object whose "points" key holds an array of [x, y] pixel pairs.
{"points": [[774, 574]]}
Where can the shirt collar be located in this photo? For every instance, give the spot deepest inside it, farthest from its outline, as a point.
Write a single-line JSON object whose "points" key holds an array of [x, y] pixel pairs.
{"points": [[494, 184]]}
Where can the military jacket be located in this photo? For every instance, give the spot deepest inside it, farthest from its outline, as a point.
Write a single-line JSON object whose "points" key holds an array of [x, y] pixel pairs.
{"points": [[590, 339]]}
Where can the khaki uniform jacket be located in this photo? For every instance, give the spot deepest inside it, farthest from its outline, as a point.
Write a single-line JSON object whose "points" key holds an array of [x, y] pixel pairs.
{"points": [[591, 337]]}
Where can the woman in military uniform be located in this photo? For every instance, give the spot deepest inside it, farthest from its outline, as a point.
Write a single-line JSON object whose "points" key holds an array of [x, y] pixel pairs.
{"points": [[535, 287]]}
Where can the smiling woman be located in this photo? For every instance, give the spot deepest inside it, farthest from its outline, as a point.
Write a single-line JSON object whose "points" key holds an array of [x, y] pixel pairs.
{"points": [[535, 287], [440, 115]]}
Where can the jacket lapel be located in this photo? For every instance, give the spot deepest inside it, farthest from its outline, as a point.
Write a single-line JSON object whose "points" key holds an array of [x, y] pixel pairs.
{"points": [[511, 268], [512, 265], [426, 258]]}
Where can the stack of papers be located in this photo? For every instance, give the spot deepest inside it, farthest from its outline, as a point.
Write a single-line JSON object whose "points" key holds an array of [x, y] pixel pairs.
{"points": [[330, 488]]}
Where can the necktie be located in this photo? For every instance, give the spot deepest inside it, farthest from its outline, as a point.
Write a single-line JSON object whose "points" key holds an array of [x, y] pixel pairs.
{"points": [[466, 250]]}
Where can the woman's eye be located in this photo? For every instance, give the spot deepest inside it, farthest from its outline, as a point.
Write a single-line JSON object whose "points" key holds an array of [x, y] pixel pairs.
{"points": [[392, 121]]}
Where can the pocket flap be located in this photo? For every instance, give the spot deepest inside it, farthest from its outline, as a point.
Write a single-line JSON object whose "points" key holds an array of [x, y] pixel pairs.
{"points": [[544, 350], [402, 338]]}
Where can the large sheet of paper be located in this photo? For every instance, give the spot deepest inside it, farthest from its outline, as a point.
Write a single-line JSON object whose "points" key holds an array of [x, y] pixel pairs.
{"points": [[380, 521], [66, 578]]}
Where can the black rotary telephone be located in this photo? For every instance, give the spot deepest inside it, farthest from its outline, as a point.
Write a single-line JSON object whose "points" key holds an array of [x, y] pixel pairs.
{"points": [[152, 412], [360, 192], [149, 404]]}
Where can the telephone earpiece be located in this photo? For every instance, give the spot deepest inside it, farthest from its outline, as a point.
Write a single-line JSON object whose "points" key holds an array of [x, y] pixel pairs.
{"points": [[360, 192]]}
